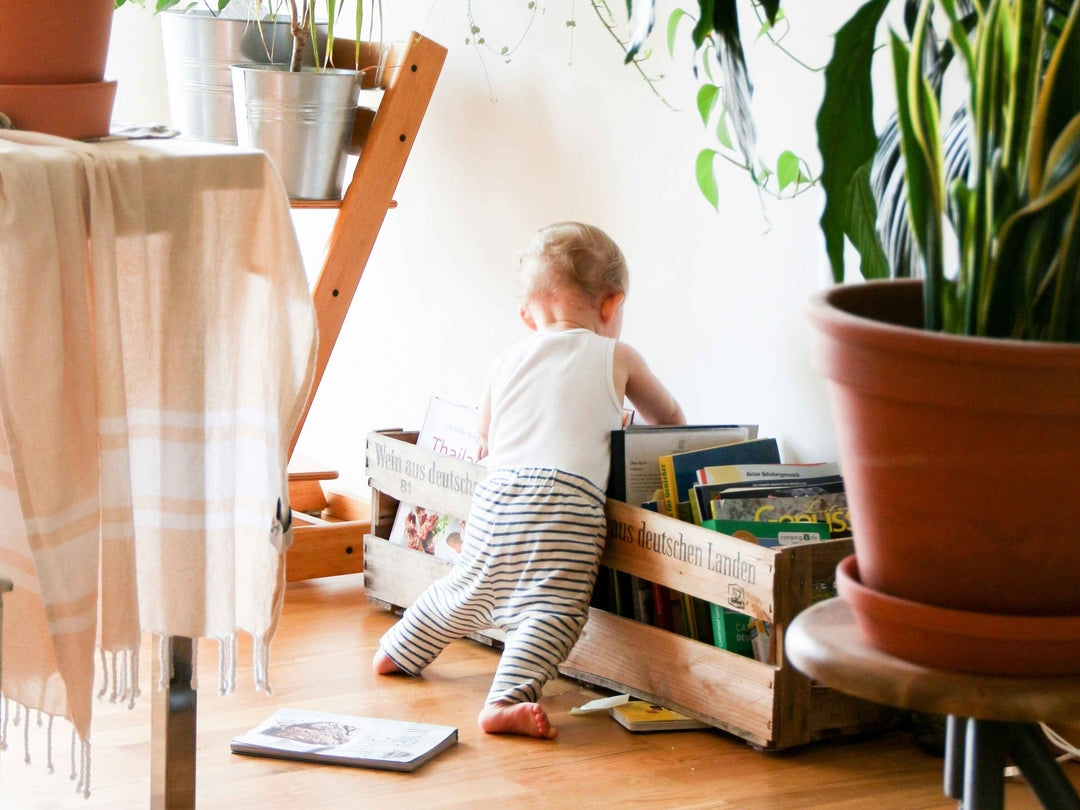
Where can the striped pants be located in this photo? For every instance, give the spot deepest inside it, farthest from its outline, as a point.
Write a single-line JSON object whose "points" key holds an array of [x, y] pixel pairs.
{"points": [[528, 564]]}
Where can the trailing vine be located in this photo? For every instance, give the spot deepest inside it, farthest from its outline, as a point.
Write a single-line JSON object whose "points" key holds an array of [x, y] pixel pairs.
{"points": [[790, 175]]}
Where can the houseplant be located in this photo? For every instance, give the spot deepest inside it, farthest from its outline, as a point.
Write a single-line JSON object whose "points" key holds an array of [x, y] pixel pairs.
{"points": [[62, 96], [304, 117], [956, 396]]}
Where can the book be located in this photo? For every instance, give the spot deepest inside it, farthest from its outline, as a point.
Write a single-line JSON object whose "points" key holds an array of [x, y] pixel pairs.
{"points": [[340, 739], [771, 535], [639, 715], [701, 495], [777, 473], [678, 471], [453, 430], [634, 475], [829, 508], [731, 630]]}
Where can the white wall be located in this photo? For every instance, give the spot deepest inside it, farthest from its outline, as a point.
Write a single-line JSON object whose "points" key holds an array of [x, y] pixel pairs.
{"points": [[717, 299]]}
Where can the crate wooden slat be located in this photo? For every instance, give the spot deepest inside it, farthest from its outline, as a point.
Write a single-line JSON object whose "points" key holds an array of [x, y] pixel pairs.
{"points": [[770, 706]]}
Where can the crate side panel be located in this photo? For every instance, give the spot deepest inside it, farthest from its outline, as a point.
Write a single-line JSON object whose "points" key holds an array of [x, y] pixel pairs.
{"points": [[409, 473], [688, 558], [723, 688]]}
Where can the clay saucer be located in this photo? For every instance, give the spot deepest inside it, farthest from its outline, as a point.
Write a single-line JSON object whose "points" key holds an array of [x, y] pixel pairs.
{"points": [[67, 110], [960, 640]]}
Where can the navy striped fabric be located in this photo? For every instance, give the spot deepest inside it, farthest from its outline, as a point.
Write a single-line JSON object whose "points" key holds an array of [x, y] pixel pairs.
{"points": [[528, 564]]}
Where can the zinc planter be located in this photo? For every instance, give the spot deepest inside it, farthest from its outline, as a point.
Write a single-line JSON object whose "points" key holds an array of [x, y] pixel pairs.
{"points": [[303, 120], [960, 463], [199, 48]]}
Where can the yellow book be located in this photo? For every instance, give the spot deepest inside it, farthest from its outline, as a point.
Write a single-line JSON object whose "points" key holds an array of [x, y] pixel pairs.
{"points": [[639, 715], [670, 502]]}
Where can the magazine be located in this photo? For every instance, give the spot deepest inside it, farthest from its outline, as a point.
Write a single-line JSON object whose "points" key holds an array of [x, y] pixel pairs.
{"points": [[339, 739], [453, 430]]}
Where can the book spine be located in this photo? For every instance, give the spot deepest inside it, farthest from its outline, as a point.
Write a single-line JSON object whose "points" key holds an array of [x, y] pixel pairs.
{"points": [[662, 607], [667, 483], [617, 477]]}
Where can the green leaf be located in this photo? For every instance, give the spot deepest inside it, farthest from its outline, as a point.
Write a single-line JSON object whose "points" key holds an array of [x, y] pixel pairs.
{"points": [[845, 123], [1059, 98], [704, 25], [787, 169], [924, 202], [768, 25], [165, 5], [672, 27], [706, 100], [222, 4], [772, 10], [862, 216], [706, 180], [722, 133]]}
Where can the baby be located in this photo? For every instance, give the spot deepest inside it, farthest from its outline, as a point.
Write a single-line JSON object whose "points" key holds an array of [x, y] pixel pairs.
{"points": [[536, 529]]}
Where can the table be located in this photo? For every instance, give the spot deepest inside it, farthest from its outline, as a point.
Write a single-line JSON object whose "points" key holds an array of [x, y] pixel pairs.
{"points": [[157, 344], [990, 718]]}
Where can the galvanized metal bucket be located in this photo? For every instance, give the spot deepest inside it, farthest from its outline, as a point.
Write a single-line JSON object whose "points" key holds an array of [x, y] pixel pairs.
{"points": [[199, 48], [304, 121]]}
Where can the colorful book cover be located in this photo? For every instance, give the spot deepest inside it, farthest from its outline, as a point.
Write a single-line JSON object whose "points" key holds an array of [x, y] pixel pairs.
{"points": [[701, 495], [830, 508], [678, 471], [778, 473], [771, 535], [453, 430], [634, 452]]}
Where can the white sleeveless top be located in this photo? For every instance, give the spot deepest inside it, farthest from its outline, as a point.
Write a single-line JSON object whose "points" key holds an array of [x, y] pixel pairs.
{"points": [[553, 404]]}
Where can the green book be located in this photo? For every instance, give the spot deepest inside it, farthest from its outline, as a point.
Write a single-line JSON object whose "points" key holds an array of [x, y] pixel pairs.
{"points": [[731, 631]]}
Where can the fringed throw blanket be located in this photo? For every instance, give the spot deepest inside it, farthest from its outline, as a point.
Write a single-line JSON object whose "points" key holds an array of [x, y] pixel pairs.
{"points": [[157, 342]]}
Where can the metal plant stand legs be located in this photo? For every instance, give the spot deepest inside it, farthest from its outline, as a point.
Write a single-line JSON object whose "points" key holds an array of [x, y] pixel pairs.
{"points": [[976, 752]]}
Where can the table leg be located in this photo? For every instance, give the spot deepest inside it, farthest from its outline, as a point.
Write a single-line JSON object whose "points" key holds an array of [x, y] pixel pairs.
{"points": [[1043, 774], [172, 733], [954, 757], [985, 751]]}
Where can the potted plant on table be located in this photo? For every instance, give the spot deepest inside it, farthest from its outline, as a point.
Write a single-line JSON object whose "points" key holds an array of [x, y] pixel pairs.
{"points": [[956, 393], [306, 118], [61, 96]]}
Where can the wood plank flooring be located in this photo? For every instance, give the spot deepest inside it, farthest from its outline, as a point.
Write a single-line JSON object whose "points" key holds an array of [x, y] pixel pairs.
{"points": [[321, 660]]}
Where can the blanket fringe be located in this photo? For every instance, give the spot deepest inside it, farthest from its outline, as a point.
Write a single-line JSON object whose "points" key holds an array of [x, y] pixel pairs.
{"points": [[79, 746], [120, 681]]}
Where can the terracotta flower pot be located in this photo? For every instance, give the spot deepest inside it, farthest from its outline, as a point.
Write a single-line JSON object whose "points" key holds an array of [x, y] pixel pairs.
{"points": [[59, 42], [960, 455], [52, 64]]}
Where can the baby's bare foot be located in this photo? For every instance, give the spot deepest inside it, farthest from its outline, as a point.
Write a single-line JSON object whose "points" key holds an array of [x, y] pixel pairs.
{"points": [[383, 665], [517, 718]]}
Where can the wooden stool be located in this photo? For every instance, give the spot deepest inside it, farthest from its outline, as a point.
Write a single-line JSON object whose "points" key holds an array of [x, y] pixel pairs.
{"points": [[990, 718]]}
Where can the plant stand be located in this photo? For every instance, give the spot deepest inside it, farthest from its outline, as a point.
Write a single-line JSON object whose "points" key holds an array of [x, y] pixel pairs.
{"points": [[990, 717], [333, 542]]}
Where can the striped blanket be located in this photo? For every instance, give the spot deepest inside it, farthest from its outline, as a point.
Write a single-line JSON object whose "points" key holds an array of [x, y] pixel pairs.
{"points": [[156, 348]]}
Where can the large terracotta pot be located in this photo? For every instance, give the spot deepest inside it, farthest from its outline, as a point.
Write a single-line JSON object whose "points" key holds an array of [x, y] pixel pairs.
{"points": [[961, 456], [54, 42], [52, 64]]}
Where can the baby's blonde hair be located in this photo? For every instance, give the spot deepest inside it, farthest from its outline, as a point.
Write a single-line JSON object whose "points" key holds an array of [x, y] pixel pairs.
{"points": [[571, 256]]}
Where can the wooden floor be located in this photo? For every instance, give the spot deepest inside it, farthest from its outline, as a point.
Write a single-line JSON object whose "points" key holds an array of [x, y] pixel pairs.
{"points": [[321, 660]]}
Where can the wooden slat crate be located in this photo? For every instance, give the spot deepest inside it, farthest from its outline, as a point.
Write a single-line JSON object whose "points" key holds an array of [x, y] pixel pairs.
{"points": [[773, 707]]}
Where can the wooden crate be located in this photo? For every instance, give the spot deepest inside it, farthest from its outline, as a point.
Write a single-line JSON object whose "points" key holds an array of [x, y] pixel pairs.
{"points": [[773, 707]]}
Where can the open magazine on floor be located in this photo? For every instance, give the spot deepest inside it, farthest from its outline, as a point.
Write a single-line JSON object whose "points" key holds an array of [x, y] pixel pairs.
{"points": [[340, 739]]}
